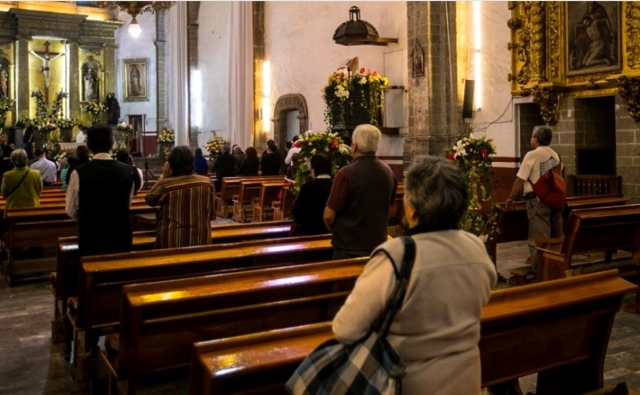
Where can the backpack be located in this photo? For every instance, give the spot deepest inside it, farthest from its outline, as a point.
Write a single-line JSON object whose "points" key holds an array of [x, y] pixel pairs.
{"points": [[551, 188]]}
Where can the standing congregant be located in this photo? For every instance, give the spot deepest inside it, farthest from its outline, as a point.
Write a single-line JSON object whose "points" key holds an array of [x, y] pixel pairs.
{"points": [[99, 198], [47, 168], [357, 212]]}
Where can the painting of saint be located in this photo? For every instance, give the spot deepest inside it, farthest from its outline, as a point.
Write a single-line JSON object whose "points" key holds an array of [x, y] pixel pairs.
{"points": [[593, 37], [135, 78]]}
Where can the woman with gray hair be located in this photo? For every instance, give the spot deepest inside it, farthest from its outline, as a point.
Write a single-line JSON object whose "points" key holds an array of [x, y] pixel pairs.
{"points": [[21, 186], [437, 328]]}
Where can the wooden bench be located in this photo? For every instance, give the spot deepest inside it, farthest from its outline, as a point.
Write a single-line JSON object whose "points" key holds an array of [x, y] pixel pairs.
{"points": [[514, 224], [231, 187], [263, 205], [249, 191], [161, 321], [65, 282], [282, 208], [559, 329], [594, 230], [592, 184], [96, 309]]}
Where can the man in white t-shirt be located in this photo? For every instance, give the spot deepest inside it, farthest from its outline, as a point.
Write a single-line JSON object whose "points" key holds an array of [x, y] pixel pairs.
{"points": [[543, 220]]}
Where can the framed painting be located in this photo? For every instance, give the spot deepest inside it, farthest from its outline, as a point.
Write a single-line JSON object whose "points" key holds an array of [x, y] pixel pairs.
{"points": [[593, 32], [135, 77]]}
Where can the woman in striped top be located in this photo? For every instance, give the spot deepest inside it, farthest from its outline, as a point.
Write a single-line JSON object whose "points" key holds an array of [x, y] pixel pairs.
{"points": [[185, 200]]}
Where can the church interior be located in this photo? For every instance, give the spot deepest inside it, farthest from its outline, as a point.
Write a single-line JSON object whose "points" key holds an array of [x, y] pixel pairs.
{"points": [[246, 72]]}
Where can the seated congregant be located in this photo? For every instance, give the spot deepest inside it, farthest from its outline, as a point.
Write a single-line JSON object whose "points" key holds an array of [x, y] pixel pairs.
{"points": [[309, 205], [185, 200]]}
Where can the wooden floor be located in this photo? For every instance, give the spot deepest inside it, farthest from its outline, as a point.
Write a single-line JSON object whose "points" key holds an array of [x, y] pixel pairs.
{"points": [[30, 364]]}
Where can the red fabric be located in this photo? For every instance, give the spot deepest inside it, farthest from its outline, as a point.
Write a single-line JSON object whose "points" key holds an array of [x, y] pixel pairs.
{"points": [[338, 195]]}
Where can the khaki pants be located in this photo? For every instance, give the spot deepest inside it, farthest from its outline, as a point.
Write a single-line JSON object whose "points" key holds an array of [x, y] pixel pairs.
{"points": [[543, 221]]}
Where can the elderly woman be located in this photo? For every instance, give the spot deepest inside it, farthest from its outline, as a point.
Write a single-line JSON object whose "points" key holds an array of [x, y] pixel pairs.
{"points": [[21, 186], [185, 201], [437, 328]]}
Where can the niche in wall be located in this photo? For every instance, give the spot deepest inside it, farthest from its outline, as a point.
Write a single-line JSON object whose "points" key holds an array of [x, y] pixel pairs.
{"points": [[595, 135]]}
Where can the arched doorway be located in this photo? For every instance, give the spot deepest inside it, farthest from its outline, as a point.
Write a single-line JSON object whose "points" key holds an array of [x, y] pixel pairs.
{"points": [[284, 105]]}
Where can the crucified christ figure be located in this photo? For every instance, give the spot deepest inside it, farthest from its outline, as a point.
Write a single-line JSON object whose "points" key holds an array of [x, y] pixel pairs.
{"points": [[46, 58]]}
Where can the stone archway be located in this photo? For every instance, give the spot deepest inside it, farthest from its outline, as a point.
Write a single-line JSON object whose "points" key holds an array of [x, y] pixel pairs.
{"points": [[294, 101]]}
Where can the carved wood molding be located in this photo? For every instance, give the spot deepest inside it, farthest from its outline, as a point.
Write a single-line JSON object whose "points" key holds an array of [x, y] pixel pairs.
{"points": [[629, 90]]}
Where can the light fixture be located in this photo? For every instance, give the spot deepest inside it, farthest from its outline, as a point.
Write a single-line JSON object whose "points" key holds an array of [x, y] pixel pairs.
{"points": [[358, 32], [134, 28], [134, 8]]}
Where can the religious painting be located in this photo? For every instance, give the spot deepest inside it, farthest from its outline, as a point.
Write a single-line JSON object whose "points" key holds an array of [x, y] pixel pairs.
{"points": [[593, 37], [135, 80]]}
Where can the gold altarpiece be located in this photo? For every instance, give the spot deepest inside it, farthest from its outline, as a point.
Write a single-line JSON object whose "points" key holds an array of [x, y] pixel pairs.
{"points": [[579, 49], [55, 47]]}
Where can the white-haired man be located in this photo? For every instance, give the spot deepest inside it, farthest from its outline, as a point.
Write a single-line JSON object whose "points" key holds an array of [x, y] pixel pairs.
{"points": [[357, 211]]}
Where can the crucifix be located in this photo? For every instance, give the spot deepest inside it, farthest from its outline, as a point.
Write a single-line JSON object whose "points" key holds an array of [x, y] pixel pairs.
{"points": [[46, 57]]}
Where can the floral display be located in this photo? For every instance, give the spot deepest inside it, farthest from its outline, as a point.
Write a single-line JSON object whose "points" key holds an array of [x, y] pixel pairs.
{"points": [[22, 122], [214, 146], [473, 157], [166, 138], [6, 105], [345, 97], [60, 156], [67, 123], [124, 134], [311, 143], [95, 109]]}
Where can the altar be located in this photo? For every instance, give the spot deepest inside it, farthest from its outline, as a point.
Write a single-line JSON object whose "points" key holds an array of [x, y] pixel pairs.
{"points": [[69, 146]]}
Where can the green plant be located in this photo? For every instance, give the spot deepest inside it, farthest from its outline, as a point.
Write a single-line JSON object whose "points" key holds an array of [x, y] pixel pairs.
{"points": [[329, 144], [473, 157]]}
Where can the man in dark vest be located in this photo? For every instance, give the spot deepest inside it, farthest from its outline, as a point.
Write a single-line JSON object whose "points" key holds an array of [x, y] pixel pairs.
{"points": [[357, 211], [99, 198]]}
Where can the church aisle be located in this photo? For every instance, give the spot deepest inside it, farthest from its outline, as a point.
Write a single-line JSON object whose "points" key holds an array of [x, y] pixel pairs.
{"points": [[30, 364]]}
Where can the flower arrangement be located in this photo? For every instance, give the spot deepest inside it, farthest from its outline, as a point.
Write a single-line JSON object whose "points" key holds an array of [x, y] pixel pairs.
{"points": [[6, 105], [67, 123], [347, 96], [329, 144], [166, 138], [60, 156], [22, 122], [95, 109], [473, 157], [124, 133], [214, 146]]}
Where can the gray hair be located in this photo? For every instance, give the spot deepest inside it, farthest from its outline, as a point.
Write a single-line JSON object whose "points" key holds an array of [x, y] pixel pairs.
{"points": [[366, 137], [438, 192], [543, 133], [19, 157]]}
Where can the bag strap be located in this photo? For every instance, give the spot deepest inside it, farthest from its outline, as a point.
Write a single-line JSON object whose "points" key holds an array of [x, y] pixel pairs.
{"points": [[399, 290], [20, 183]]}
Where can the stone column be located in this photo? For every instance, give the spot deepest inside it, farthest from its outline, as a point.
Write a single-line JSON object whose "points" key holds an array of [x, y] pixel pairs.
{"points": [[161, 71], [434, 111], [22, 77], [109, 57], [73, 52]]}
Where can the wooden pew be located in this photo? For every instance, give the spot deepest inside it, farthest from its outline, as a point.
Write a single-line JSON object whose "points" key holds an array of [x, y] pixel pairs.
{"points": [[559, 329], [514, 224], [231, 187], [65, 283], [282, 208], [161, 321], [396, 212], [594, 230], [263, 205], [96, 309], [249, 190]]}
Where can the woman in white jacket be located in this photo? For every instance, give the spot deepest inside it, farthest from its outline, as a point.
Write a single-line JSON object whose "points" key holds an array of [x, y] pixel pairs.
{"points": [[437, 329]]}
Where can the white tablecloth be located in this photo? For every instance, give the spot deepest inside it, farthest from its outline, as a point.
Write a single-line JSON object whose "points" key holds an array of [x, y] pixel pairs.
{"points": [[69, 146]]}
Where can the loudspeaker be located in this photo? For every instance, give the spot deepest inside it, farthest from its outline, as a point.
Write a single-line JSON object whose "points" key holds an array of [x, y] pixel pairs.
{"points": [[467, 103]]}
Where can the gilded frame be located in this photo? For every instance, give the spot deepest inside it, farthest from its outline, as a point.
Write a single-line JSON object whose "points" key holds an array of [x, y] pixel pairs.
{"points": [[135, 80], [593, 37]]}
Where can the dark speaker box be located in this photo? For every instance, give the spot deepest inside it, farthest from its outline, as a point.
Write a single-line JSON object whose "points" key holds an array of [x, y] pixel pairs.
{"points": [[467, 103]]}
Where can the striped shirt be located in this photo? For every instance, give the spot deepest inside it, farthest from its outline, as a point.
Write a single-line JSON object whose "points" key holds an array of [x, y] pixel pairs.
{"points": [[185, 210]]}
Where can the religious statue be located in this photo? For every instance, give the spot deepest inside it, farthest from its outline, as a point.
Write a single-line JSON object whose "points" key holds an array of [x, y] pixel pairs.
{"points": [[113, 108], [4, 82], [90, 79], [46, 61]]}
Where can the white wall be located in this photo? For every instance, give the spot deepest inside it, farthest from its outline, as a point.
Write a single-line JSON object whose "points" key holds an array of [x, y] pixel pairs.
{"points": [[299, 44], [142, 47], [497, 116], [213, 58]]}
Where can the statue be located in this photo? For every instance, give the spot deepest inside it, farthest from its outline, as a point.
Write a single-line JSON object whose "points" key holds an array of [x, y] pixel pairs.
{"points": [[113, 108], [4, 82], [90, 79], [46, 61]]}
